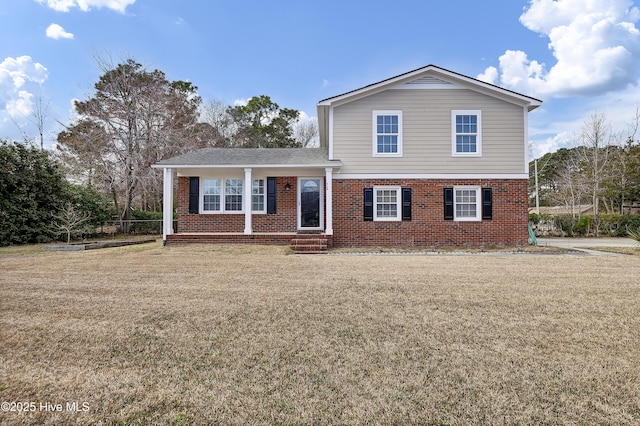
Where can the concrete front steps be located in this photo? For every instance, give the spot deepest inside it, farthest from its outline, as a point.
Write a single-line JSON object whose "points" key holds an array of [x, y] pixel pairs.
{"points": [[310, 243]]}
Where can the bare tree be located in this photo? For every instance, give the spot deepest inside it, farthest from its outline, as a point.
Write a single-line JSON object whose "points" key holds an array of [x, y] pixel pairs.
{"points": [[69, 219], [39, 116], [570, 187], [215, 114], [306, 133], [594, 149]]}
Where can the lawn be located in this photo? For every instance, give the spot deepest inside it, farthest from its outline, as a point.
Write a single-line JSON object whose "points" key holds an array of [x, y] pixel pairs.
{"points": [[253, 335]]}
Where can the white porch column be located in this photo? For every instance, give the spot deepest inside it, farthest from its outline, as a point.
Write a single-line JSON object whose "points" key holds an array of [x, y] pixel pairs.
{"points": [[167, 204], [328, 196], [247, 201]]}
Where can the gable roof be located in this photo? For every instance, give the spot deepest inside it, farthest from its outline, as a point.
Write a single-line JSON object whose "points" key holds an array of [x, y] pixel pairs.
{"points": [[433, 76], [250, 157]]}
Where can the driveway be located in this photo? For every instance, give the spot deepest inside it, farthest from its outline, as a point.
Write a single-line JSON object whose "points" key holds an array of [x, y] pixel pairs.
{"points": [[587, 245]]}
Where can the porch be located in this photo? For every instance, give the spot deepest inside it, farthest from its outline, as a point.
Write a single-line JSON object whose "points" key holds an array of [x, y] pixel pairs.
{"points": [[256, 196]]}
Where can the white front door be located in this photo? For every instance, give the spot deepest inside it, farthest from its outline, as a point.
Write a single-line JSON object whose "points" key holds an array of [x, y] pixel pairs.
{"points": [[310, 204]]}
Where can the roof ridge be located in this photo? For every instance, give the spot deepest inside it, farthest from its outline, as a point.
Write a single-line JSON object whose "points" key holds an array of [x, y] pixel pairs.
{"points": [[426, 68]]}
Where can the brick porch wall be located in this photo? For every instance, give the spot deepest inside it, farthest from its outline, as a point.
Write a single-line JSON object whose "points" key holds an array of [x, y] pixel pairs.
{"points": [[428, 227], [284, 220]]}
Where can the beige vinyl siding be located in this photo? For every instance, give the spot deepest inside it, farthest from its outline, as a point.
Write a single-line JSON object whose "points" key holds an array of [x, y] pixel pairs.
{"points": [[426, 118]]}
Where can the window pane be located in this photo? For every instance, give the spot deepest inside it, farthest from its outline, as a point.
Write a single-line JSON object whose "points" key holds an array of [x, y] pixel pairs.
{"points": [[466, 205], [212, 186], [211, 198], [233, 195], [466, 124], [387, 124], [387, 203], [387, 144], [466, 143], [257, 195], [211, 203]]}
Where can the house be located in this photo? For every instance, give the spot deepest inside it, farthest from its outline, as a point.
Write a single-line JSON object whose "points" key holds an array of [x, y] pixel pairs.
{"points": [[427, 158]]}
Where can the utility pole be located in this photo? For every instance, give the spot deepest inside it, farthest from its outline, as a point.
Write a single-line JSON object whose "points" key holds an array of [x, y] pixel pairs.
{"points": [[535, 168]]}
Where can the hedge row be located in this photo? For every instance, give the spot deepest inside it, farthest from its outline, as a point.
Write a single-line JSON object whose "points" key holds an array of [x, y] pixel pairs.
{"points": [[612, 225]]}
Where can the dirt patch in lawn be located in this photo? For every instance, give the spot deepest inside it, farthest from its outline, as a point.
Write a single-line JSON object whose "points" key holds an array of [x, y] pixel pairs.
{"points": [[205, 334]]}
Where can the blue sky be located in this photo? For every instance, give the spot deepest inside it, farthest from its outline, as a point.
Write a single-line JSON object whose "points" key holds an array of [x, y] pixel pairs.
{"points": [[579, 57]]}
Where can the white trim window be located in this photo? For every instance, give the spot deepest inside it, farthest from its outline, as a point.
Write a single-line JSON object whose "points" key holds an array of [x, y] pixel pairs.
{"points": [[466, 133], [387, 133], [387, 203], [258, 204], [233, 195], [211, 195], [467, 204], [222, 196]]}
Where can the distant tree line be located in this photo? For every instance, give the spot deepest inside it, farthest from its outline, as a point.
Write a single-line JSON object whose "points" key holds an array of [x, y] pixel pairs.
{"points": [[602, 170], [134, 118]]}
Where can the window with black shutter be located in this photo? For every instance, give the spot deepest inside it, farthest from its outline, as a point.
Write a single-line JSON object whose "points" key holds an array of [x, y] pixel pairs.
{"points": [[368, 204], [487, 204], [448, 203], [406, 203], [194, 194], [271, 195]]}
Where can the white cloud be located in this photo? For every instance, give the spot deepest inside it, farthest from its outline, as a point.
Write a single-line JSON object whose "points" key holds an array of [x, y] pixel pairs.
{"points": [[15, 74], [550, 144], [86, 5], [240, 102], [595, 44], [21, 105], [56, 32], [490, 75]]}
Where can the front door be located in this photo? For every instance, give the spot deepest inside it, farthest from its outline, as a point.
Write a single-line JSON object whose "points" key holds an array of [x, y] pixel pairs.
{"points": [[310, 204]]}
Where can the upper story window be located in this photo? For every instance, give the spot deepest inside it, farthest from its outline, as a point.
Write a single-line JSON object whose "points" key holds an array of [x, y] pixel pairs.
{"points": [[387, 133], [466, 133]]}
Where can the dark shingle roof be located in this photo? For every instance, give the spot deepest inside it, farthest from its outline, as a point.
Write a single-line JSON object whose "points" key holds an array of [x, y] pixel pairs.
{"points": [[258, 157]]}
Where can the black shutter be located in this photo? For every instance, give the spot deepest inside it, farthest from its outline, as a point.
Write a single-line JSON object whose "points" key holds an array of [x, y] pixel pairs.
{"points": [[448, 203], [487, 204], [271, 195], [194, 195], [368, 204], [406, 203]]}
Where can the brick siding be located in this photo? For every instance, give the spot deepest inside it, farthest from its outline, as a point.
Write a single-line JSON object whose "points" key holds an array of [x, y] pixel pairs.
{"points": [[427, 227], [284, 220]]}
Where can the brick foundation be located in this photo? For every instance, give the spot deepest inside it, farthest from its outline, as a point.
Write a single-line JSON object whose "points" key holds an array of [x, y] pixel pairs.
{"points": [[232, 238]]}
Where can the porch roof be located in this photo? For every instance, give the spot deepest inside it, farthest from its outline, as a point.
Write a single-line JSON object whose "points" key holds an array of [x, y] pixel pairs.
{"points": [[251, 157]]}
